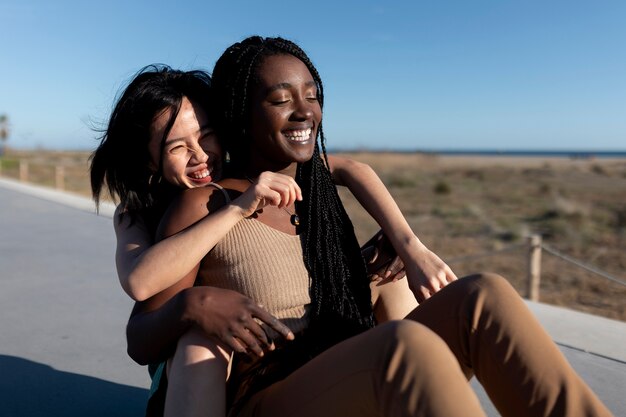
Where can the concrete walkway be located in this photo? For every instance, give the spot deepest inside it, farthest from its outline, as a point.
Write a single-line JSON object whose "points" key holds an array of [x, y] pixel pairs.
{"points": [[63, 313]]}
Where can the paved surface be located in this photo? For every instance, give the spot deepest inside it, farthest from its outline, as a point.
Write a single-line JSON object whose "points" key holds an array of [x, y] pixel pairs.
{"points": [[62, 348]]}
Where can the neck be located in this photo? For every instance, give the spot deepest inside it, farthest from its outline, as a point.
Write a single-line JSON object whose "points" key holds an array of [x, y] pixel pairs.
{"points": [[255, 170]]}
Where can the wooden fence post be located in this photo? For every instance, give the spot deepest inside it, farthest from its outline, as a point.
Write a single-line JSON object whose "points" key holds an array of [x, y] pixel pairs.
{"points": [[59, 177], [23, 171], [534, 267]]}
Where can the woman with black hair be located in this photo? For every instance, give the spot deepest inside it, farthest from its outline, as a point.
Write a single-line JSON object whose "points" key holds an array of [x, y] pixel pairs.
{"points": [[270, 97], [159, 140]]}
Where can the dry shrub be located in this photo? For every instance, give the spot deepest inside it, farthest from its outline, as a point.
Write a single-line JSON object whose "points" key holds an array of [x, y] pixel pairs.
{"points": [[442, 187]]}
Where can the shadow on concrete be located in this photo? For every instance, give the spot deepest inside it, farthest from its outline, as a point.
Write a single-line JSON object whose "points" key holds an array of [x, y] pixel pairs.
{"points": [[34, 389]]}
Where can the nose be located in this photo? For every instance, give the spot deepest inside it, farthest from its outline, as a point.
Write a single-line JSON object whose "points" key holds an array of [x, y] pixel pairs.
{"points": [[198, 155], [303, 110]]}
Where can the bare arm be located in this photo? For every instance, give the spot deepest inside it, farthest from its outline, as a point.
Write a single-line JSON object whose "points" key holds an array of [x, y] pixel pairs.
{"points": [[145, 268], [427, 273], [157, 323]]}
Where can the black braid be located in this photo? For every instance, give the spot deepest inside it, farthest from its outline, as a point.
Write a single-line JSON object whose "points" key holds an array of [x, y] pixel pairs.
{"points": [[340, 293]]}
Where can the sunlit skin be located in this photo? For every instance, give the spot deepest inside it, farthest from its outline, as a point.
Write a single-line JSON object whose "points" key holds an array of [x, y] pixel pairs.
{"points": [[285, 115], [191, 156]]}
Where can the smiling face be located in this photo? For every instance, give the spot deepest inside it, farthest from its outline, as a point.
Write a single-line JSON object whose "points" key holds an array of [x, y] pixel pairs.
{"points": [[284, 115], [191, 156]]}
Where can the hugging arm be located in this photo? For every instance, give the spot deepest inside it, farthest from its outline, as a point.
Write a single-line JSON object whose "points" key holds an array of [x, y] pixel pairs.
{"points": [[156, 324], [145, 268], [426, 272]]}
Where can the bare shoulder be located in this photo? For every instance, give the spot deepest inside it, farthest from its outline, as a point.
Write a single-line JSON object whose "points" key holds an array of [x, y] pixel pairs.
{"points": [[234, 184], [123, 222], [189, 207], [119, 220]]}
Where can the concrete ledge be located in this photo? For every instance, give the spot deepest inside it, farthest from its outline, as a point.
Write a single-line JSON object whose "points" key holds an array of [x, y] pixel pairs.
{"points": [[585, 332], [71, 200]]}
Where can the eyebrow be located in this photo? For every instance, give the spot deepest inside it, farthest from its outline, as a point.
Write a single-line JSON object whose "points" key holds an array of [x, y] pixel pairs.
{"points": [[203, 131], [286, 86]]}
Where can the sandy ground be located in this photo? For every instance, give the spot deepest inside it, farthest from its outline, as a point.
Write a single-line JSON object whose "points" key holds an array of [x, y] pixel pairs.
{"points": [[462, 206]]}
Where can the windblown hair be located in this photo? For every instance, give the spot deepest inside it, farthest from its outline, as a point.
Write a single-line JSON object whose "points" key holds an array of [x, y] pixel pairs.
{"points": [[340, 290], [121, 163]]}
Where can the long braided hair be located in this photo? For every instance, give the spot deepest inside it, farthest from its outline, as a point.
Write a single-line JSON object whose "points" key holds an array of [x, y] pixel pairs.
{"points": [[340, 293]]}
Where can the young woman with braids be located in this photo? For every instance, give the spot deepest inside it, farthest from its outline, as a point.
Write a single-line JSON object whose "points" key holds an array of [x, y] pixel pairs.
{"points": [[158, 141], [339, 363]]}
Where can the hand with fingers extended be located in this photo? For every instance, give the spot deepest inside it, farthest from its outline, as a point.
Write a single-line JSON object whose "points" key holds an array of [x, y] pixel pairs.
{"points": [[269, 188], [426, 272], [233, 319]]}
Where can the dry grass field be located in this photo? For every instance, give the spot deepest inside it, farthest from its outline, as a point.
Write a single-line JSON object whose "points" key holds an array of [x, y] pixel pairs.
{"points": [[463, 206]]}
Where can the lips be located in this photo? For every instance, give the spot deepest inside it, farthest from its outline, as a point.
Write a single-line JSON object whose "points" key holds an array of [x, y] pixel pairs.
{"points": [[202, 176], [301, 135]]}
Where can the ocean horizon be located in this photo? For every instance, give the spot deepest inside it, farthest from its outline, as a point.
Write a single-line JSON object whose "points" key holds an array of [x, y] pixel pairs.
{"points": [[555, 153]]}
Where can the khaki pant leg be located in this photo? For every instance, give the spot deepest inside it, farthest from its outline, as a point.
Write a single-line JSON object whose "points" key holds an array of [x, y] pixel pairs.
{"points": [[397, 369], [492, 333]]}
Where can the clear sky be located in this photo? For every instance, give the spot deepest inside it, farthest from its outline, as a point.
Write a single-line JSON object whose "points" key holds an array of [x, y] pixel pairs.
{"points": [[415, 74]]}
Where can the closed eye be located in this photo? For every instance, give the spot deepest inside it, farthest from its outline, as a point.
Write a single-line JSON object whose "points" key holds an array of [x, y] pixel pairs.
{"points": [[279, 102], [177, 149]]}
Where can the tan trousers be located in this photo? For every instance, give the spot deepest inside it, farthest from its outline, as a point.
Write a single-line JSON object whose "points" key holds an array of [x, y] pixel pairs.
{"points": [[408, 367]]}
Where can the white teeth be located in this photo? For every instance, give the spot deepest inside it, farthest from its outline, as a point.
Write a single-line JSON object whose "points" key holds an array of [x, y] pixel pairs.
{"points": [[200, 174], [298, 135]]}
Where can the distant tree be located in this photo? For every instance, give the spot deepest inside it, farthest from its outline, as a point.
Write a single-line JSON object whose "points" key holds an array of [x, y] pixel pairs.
{"points": [[4, 127], [4, 131]]}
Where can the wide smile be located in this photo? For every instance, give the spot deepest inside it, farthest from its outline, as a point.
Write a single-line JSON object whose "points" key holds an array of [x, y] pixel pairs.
{"points": [[201, 176], [298, 136]]}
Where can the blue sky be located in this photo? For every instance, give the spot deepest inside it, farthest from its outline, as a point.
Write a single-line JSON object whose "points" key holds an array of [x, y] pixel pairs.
{"points": [[470, 74]]}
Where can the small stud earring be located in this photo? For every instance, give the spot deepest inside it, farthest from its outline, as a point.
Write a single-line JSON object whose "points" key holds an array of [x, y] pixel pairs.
{"points": [[227, 157]]}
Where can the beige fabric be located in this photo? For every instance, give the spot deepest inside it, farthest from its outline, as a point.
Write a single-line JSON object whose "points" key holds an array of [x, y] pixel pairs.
{"points": [[264, 264]]}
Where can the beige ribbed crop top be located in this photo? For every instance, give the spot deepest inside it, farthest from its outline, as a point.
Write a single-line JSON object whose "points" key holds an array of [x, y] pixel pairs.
{"points": [[264, 264]]}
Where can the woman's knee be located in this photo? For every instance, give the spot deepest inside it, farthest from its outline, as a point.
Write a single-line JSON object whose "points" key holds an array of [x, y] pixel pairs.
{"points": [[197, 346], [490, 299], [490, 284]]}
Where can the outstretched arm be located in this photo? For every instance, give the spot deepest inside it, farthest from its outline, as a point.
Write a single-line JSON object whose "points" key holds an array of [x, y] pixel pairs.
{"points": [[426, 272]]}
